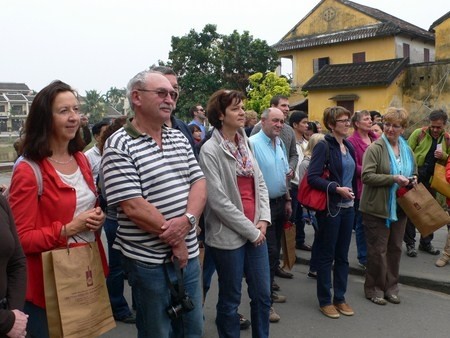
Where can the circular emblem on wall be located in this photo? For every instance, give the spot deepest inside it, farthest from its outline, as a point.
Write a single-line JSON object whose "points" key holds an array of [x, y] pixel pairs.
{"points": [[329, 14]]}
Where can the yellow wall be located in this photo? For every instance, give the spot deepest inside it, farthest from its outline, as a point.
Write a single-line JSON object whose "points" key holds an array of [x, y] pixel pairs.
{"points": [[302, 60], [345, 18], [372, 98], [442, 34]]}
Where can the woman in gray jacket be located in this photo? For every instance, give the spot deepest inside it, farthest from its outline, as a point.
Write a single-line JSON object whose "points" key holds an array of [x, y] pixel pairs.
{"points": [[237, 214]]}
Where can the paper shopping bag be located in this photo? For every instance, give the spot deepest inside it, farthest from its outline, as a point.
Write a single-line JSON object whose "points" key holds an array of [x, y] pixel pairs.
{"points": [[423, 210], [77, 301], [288, 245], [439, 182]]}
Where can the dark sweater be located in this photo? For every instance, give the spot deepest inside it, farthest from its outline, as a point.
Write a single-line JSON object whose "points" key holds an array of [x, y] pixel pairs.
{"points": [[13, 273], [318, 160]]}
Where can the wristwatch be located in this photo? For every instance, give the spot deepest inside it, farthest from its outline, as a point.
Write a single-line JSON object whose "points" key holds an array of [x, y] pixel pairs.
{"points": [[192, 220]]}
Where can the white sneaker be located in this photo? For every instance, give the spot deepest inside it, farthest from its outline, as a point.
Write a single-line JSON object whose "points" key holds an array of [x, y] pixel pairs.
{"points": [[273, 316]]}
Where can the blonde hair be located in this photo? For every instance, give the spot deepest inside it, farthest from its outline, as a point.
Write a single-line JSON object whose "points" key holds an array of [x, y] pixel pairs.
{"points": [[399, 115], [313, 140]]}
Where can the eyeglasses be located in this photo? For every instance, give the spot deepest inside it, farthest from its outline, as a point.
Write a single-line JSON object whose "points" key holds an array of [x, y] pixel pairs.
{"points": [[162, 93], [201, 109], [343, 121], [393, 126]]}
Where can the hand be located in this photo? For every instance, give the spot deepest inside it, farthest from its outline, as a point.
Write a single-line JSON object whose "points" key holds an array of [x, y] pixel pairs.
{"points": [[290, 174], [91, 219], [346, 193], [175, 230], [260, 240], [95, 221], [262, 226], [181, 252], [438, 154], [288, 209], [20, 325], [401, 180]]}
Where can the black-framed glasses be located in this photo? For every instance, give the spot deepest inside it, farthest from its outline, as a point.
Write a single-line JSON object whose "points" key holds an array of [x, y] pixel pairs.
{"points": [[344, 121], [162, 93], [201, 109]]}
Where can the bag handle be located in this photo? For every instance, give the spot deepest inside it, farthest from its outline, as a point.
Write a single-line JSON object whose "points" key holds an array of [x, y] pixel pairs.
{"points": [[179, 273], [328, 201]]}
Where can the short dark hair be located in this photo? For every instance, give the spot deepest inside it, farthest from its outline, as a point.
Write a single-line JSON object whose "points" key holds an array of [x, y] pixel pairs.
{"points": [[313, 126], [330, 115], [374, 113], [97, 128], [39, 123], [296, 117], [276, 99], [193, 127], [438, 114], [112, 128], [218, 103], [193, 109]]}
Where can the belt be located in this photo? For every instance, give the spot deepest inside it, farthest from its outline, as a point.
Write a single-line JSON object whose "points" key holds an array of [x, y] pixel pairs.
{"points": [[278, 200]]}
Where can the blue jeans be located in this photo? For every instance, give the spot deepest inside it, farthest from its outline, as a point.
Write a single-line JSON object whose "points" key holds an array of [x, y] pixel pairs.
{"points": [[360, 236], [314, 262], [37, 326], [153, 297], [333, 242], [253, 262], [116, 276]]}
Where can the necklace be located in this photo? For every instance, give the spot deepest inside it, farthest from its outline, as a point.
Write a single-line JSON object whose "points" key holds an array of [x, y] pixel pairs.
{"points": [[61, 162]]}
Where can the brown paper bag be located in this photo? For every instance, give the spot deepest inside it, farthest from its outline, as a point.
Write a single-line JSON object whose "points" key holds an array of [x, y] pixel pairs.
{"points": [[439, 182], [288, 245], [77, 301], [423, 210]]}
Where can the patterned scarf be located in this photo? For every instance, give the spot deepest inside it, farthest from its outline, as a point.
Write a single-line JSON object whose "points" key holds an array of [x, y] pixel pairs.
{"points": [[244, 165]]}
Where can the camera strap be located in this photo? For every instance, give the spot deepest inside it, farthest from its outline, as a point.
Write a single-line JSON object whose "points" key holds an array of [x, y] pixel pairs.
{"points": [[179, 273]]}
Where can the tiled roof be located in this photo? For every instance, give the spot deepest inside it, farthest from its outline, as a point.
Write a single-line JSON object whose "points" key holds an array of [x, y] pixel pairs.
{"points": [[439, 21], [366, 74], [15, 97], [388, 25], [10, 86]]}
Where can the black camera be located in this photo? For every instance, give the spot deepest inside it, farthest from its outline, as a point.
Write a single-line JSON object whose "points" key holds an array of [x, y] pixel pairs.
{"points": [[183, 305]]}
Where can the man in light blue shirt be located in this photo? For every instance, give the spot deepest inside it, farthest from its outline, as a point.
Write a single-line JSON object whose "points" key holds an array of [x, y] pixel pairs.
{"points": [[270, 153]]}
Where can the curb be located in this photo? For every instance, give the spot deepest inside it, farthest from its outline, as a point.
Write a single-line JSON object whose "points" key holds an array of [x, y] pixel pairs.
{"points": [[418, 282]]}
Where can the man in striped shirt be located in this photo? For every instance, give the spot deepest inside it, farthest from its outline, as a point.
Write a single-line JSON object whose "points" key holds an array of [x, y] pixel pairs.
{"points": [[151, 174]]}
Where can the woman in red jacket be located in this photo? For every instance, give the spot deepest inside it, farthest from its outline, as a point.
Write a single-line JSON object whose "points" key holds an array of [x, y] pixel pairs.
{"points": [[66, 210], [445, 258]]}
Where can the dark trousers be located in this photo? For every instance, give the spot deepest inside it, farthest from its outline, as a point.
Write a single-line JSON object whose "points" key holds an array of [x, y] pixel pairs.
{"points": [[273, 234], [384, 250], [297, 216]]}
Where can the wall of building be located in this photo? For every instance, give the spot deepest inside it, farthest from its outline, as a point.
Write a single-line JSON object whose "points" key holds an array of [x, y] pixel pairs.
{"points": [[416, 49], [373, 98], [331, 16], [426, 87], [442, 34]]}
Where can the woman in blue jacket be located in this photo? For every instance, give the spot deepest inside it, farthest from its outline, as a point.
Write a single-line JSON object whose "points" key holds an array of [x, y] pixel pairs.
{"points": [[336, 222]]}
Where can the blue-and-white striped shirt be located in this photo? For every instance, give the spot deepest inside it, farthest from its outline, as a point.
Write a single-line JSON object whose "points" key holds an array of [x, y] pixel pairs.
{"points": [[135, 166]]}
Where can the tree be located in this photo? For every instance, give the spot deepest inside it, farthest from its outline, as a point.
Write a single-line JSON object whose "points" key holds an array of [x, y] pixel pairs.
{"points": [[94, 105], [263, 87], [242, 56], [116, 98], [208, 61]]}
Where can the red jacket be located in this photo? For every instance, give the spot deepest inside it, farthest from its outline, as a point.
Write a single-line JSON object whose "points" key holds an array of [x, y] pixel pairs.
{"points": [[39, 222]]}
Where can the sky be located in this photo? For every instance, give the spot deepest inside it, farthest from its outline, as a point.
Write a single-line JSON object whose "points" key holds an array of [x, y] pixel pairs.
{"points": [[99, 44]]}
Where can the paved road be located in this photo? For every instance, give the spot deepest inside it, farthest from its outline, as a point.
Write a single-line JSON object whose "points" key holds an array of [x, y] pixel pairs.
{"points": [[422, 313]]}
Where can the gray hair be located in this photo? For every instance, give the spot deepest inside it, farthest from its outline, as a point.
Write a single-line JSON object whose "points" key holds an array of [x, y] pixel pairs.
{"points": [[138, 81], [265, 113]]}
